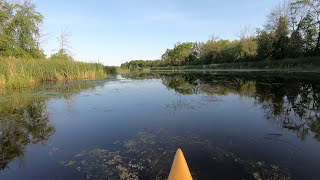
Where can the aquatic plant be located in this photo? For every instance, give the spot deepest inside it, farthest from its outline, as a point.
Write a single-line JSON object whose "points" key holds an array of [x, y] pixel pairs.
{"points": [[149, 155], [19, 73]]}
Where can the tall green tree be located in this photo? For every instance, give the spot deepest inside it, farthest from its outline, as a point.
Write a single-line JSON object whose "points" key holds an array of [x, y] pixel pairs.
{"points": [[265, 42], [247, 49], [26, 23], [309, 32], [6, 30], [179, 54], [281, 39], [312, 7], [296, 45], [19, 29], [209, 51]]}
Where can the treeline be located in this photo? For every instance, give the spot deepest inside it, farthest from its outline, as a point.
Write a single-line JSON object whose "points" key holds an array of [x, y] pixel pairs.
{"points": [[292, 30], [135, 64]]}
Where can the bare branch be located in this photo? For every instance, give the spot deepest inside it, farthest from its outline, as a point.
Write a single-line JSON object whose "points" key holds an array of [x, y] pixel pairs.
{"points": [[246, 32], [63, 40]]}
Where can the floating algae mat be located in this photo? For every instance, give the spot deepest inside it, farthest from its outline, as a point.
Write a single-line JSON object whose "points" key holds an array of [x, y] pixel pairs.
{"points": [[149, 154]]}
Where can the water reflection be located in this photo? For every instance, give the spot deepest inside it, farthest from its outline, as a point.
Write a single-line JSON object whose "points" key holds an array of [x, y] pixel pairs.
{"points": [[29, 124], [293, 104], [287, 101], [126, 129], [24, 118]]}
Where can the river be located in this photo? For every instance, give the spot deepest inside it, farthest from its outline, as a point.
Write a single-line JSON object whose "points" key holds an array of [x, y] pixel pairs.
{"points": [[244, 125]]}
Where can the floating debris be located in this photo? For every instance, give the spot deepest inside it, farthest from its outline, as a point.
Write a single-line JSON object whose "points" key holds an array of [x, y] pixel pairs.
{"points": [[148, 155], [53, 151], [70, 163]]}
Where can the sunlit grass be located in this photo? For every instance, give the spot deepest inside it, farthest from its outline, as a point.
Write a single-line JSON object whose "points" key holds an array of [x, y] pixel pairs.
{"points": [[18, 73]]}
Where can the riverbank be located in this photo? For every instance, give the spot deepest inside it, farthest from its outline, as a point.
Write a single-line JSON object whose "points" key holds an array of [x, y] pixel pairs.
{"points": [[18, 73], [311, 64], [118, 70]]}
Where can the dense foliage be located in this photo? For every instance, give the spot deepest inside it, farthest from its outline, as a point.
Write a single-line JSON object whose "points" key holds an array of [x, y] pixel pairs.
{"points": [[22, 72], [292, 30], [19, 30]]}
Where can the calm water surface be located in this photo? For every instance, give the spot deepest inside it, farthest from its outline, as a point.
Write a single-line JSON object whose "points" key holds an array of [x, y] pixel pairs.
{"points": [[229, 125]]}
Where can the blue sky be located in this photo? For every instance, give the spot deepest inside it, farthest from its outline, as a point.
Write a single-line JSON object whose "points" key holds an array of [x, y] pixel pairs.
{"points": [[116, 31]]}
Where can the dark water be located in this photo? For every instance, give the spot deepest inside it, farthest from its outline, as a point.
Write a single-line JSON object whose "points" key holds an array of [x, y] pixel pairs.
{"points": [[229, 125]]}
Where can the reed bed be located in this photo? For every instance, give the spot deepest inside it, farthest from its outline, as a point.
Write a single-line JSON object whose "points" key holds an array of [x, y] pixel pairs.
{"points": [[20, 73]]}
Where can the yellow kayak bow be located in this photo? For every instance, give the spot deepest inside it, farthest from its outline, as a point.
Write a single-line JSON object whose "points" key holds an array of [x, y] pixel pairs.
{"points": [[179, 169]]}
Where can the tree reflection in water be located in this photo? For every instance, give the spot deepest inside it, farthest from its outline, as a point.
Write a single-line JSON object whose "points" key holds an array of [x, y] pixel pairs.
{"points": [[287, 101], [24, 119], [293, 104], [28, 125]]}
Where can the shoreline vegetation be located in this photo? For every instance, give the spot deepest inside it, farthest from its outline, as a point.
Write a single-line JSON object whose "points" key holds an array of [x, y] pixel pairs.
{"points": [[289, 40], [305, 64], [311, 64], [23, 62], [18, 73]]}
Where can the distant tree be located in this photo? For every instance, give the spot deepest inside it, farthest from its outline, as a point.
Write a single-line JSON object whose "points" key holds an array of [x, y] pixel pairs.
{"points": [[281, 39], [140, 64], [209, 51], [281, 10], [165, 56], [194, 54], [265, 41], [64, 41], [64, 46], [273, 39], [194, 57], [179, 54], [297, 13], [60, 55], [247, 44], [312, 7], [247, 49], [296, 44], [309, 33], [245, 32]]}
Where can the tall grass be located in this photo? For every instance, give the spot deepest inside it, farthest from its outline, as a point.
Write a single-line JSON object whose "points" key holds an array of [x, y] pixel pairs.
{"points": [[19, 73]]}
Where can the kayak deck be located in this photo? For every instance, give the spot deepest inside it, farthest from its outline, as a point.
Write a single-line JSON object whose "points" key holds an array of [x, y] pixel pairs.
{"points": [[179, 169]]}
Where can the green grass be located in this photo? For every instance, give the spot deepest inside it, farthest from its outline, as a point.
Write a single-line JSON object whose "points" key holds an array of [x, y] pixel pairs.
{"points": [[18, 73], [300, 64]]}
